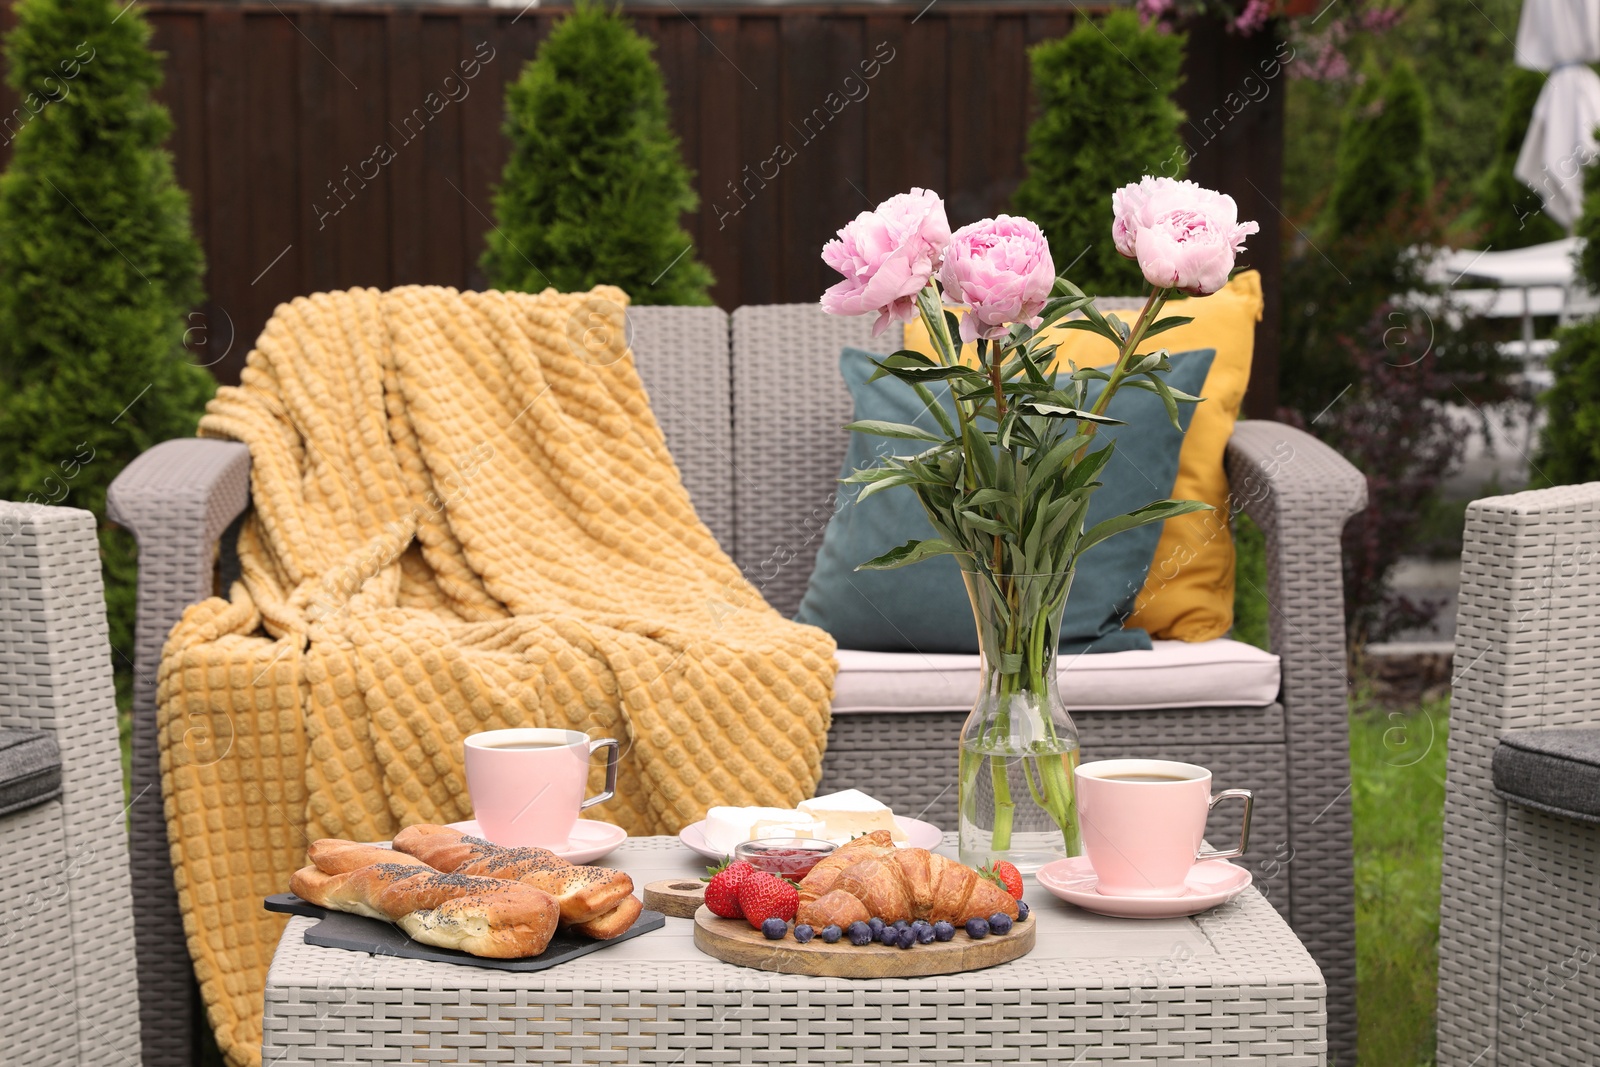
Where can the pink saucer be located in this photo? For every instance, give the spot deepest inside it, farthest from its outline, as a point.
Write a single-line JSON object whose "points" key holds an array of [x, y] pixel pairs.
{"points": [[1210, 882], [590, 839]]}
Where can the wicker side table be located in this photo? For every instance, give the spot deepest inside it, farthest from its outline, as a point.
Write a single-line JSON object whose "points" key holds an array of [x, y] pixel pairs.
{"points": [[1229, 987]]}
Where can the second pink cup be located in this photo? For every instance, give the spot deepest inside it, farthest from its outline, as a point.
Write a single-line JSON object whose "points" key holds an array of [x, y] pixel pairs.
{"points": [[1143, 822]]}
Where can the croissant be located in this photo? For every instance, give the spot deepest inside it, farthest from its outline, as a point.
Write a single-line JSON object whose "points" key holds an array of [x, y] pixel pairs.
{"points": [[595, 901], [871, 877], [481, 916]]}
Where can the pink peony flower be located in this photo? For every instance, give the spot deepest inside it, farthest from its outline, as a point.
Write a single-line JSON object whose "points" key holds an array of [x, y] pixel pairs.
{"points": [[1252, 18], [1184, 236], [1156, 11], [887, 257], [1001, 269]]}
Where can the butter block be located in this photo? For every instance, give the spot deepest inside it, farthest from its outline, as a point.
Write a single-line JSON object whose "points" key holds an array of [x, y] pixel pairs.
{"points": [[851, 813], [727, 827]]}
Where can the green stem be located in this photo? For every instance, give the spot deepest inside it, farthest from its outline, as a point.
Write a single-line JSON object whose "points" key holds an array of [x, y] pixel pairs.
{"points": [[1152, 307], [931, 309]]}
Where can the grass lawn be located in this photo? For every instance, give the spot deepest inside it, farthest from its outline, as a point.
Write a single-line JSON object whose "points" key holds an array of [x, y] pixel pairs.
{"points": [[1397, 761]]}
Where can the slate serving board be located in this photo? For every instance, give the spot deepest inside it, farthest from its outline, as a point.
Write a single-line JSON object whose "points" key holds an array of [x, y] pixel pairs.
{"points": [[361, 934]]}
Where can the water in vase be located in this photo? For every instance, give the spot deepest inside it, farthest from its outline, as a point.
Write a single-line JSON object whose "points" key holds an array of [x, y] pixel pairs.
{"points": [[1035, 832]]}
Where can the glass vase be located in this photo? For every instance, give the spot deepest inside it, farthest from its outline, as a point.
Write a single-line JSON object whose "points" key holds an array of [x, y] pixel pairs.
{"points": [[1019, 746]]}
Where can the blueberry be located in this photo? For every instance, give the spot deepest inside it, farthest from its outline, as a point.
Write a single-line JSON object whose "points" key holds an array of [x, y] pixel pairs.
{"points": [[1022, 911], [889, 935], [924, 933], [999, 923], [907, 938], [977, 929], [943, 931], [774, 929], [859, 933], [803, 933], [830, 933], [901, 924], [877, 926]]}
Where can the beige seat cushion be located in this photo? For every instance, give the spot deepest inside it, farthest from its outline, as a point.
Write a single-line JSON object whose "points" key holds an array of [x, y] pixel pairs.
{"points": [[1222, 673]]}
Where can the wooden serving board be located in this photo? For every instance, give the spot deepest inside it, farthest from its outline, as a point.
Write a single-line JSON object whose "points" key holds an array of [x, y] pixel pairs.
{"points": [[735, 941], [679, 897]]}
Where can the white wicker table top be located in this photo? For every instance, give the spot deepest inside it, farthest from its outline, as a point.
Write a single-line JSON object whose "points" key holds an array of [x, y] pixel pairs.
{"points": [[1242, 944]]}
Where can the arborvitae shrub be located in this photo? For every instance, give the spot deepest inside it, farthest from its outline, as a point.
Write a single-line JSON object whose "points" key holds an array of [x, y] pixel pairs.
{"points": [[98, 269], [1359, 255], [1100, 126], [595, 185], [1508, 213], [1569, 451], [1382, 160]]}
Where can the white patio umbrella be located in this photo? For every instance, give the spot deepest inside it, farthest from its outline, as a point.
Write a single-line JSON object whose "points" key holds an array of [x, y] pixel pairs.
{"points": [[1562, 37]]}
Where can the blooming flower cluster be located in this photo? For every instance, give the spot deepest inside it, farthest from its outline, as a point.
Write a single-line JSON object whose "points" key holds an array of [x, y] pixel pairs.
{"points": [[1184, 237]]}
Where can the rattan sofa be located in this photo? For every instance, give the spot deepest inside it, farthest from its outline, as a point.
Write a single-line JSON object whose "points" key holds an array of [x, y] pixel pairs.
{"points": [[67, 990], [752, 406], [1519, 937]]}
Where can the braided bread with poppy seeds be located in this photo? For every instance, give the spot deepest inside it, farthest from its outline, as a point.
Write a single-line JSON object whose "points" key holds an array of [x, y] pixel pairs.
{"points": [[481, 916], [595, 901]]}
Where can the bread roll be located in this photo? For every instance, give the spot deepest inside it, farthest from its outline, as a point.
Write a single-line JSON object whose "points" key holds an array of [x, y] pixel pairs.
{"points": [[333, 856], [583, 893], [482, 916]]}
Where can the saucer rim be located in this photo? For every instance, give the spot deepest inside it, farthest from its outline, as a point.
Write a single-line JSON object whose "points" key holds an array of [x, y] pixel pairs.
{"points": [[613, 838], [906, 821], [1085, 897]]}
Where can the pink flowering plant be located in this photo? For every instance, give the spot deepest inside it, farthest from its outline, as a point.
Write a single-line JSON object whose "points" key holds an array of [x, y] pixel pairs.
{"points": [[1008, 464]]}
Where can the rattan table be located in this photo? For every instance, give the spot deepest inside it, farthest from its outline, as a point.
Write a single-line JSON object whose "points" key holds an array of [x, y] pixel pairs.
{"points": [[1233, 986]]}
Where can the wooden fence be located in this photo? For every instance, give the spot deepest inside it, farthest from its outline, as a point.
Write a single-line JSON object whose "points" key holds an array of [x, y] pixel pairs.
{"points": [[330, 146]]}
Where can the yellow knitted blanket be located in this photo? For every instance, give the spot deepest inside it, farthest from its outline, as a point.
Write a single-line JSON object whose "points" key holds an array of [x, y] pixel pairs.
{"points": [[465, 518]]}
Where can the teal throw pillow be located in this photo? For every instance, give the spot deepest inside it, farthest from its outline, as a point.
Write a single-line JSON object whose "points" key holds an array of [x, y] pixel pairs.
{"points": [[923, 607]]}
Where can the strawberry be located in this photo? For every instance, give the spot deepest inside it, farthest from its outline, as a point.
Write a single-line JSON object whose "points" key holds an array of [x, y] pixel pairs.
{"points": [[722, 888], [766, 896], [1006, 876]]}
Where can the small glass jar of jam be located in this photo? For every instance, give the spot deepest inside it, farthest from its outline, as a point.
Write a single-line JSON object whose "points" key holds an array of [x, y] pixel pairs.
{"points": [[786, 857]]}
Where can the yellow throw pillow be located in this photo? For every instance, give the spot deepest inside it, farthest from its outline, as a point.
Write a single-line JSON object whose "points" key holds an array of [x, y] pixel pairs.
{"points": [[1188, 595]]}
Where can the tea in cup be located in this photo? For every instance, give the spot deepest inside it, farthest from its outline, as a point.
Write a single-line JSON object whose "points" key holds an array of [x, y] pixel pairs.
{"points": [[1143, 822], [528, 785]]}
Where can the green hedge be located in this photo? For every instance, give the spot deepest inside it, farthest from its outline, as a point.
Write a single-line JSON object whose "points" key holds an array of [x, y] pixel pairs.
{"points": [[1099, 128], [595, 185], [98, 271]]}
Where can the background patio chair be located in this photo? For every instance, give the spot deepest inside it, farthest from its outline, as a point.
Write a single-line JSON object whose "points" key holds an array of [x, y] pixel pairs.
{"points": [[757, 434], [1520, 912], [67, 989]]}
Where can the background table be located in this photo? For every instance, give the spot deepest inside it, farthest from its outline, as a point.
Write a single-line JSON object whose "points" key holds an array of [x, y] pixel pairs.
{"points": [[1232, 986]]}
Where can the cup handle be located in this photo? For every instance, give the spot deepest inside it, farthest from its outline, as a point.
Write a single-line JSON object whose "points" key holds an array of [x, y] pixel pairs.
{"points": [[1244, 830], [611, 772]]}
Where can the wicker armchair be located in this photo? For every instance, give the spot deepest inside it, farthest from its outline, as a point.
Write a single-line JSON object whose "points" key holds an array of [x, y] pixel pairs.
{"points": [[754, 424], [67, 934], [1520, 926]]}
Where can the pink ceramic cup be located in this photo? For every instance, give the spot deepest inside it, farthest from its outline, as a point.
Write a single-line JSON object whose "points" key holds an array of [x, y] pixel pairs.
{"points": [[1142, 837], [532, 795]]}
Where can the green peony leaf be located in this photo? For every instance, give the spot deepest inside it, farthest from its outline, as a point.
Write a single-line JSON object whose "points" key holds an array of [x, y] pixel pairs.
{"points": [[908, 553]]}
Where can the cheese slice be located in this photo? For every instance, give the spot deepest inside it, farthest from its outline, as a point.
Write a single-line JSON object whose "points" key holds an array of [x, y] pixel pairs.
{"points": [[851, 813], [727, 827], [797, 825]]}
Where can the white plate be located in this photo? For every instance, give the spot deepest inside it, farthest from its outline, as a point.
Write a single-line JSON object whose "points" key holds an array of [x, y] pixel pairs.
{"points": [[590, 839], [1210, 882], [919, 834]]}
